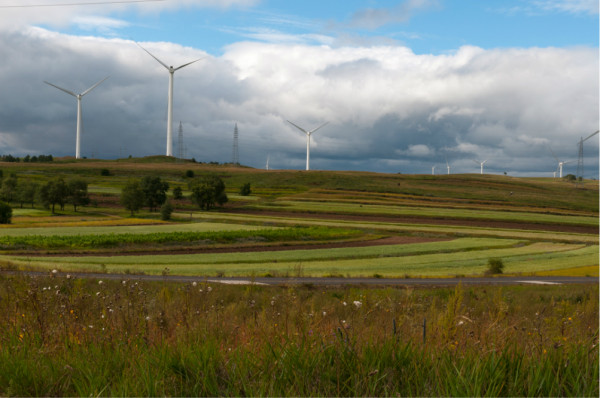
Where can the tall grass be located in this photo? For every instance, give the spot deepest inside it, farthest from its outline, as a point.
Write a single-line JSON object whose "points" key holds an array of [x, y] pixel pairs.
{"points": [[81, 337]]}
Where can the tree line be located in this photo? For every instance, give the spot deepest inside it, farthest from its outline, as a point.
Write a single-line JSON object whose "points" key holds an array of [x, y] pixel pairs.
{"points": [[149, 191], [26, 158]]}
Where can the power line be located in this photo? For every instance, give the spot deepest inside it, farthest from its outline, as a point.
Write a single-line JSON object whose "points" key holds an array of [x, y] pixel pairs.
{"points": [[95, 3]]}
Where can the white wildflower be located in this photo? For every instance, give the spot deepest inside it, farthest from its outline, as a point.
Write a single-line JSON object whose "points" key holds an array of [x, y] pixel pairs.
{"points": [[357, 303], [194, 284]]}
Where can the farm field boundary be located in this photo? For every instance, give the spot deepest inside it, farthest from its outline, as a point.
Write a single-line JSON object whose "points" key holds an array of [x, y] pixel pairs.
{"points": [[427, 212], [411, 228], [469, 258]]}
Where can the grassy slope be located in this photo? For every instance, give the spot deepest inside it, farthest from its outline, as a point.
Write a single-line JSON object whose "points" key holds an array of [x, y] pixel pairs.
{"points": [[449, 196], [469, 189]]}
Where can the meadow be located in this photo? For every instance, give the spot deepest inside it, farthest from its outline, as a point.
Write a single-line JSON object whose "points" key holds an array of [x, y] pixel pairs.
{"points": [[73, 337], [63, 336]]}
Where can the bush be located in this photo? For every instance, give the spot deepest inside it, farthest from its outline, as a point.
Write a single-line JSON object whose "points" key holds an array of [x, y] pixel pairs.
{"points": [[166, 210], [5, 213], [177, 193], [189, 174], [495, 266], [105, 172], [245, 190]]}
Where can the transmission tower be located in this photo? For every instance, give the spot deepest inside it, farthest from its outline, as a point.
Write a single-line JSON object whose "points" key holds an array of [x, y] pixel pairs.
{"points": [[235, 156], [180, 153], [580, 159]]}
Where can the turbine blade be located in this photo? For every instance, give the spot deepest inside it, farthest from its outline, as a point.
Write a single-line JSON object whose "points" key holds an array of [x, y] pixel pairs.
{"points": [[189, 63], [484, 161], [553, 154], [149, 53], [62, 89], [476, 161], [94, 86], [298, 127], [324, 124], [591, 135]]}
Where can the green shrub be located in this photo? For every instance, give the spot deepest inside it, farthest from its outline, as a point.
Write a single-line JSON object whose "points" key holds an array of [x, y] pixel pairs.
{"points": [[245, 190], [495, 266], [166, 210], [105, 172], [177, 193]]}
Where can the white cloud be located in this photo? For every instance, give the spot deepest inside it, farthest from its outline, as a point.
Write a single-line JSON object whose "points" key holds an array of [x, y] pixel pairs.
{"points": [[385, 104]]}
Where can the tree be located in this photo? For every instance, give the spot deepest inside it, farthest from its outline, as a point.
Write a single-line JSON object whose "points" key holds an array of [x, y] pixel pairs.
{"points": [[155, 191], [177, 193], [208, 191], [54, 192], [5, 213], [26, 192], [78, 193], [132, 196], [9, 188]]}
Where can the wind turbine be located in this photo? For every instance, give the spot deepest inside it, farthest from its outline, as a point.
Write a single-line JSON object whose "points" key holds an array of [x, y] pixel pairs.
{"points": [[79, 121], [171, 71], [308, 133], [267, 167], [560, 163], [480, 164], [433, 170], [447, 166]]}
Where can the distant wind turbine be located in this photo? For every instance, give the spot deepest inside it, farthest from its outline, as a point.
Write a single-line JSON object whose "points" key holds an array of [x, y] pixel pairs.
{"points": [[308, 133], [560, 164], [79, 120], [480, 164], [433, 170], [171, 71], [267, 167], [447, 165]]}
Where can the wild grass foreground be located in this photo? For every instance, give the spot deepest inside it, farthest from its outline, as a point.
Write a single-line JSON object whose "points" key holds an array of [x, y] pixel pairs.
{"points": [[73, 337]]}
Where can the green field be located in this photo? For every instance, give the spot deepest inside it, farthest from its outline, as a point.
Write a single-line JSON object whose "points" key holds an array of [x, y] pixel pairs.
{"points": [[545, 229], [466, 256]]}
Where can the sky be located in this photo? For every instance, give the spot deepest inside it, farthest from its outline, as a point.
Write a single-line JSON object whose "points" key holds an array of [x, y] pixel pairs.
{"points": [[405, 86]]}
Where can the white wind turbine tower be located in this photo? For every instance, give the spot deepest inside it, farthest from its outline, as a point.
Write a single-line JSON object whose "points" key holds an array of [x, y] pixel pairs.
{"points": [[560, 163], [171, 71], [433, 170], [308, 133], [480, 164], [447, 166], [79, 120], [267, 167]]}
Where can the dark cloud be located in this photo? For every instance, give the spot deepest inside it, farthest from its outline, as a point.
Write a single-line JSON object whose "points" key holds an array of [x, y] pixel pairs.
{"points": [[389, 109]]}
